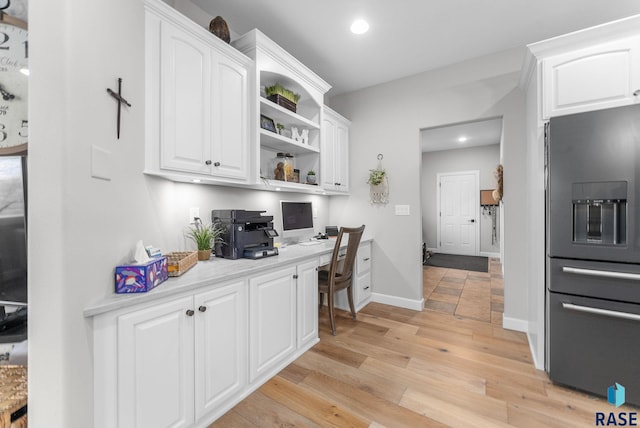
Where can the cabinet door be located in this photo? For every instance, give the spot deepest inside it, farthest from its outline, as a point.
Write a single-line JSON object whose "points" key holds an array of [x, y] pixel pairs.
{"points": [[220, 346], [185, 100], [307, 302], [272, 331], [341, 161], [155, 366], [230, 125], [594, 78], [328, 154]]}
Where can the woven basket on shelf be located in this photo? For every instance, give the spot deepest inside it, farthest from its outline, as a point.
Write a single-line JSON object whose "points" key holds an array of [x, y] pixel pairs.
{"points": [[180, 262]]}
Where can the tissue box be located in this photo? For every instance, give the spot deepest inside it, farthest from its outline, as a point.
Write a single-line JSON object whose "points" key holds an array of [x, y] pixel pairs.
{"points": [[141, 277]]}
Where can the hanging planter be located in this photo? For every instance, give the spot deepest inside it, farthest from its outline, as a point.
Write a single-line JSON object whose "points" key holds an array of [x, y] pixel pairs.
{"points": [[378, 184]]}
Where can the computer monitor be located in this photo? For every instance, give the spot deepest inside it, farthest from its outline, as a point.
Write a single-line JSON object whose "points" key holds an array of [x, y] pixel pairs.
{"points": [[297, 220]]}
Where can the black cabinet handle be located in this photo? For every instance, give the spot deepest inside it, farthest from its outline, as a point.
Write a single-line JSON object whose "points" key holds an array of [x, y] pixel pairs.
{"points": [[190, 312], [207, 162], [367, 259], [295, 276], [216, 164], [367, 287], [636, 93], [202, 308]]}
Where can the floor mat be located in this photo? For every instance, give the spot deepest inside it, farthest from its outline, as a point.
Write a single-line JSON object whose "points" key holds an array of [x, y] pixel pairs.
{"points": [[454, 261]]}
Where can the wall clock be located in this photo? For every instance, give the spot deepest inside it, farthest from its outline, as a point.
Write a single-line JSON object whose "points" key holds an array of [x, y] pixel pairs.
{"points": [[14, 56]]}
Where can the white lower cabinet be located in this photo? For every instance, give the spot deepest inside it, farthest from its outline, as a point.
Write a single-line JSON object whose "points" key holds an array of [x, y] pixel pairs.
{"points": [[307, 303], [180, 360], [155, 366], [272, 331], [362, 286], [183, 361], [221, 346]]}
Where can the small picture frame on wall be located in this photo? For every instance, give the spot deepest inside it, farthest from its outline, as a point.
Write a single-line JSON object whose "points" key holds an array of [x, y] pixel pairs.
{"points": [[267, 123]]}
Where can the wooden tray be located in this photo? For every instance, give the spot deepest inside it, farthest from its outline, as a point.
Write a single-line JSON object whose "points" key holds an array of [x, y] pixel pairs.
{"points": [[180, 262]]}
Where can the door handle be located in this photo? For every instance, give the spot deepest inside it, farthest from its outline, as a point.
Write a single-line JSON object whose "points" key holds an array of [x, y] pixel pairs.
{"points": [[601, 273], [473, 220], [598, 311]]}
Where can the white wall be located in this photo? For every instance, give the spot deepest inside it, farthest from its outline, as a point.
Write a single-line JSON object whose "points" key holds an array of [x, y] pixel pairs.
{"points": [[485, 159], [80, 227], [387, 118]]}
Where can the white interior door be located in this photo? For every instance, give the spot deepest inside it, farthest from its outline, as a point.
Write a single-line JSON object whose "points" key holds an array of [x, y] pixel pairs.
{"points": [[458, 219]]}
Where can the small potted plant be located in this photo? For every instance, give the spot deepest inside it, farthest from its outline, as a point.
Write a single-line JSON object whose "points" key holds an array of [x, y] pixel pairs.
{"points": [[311, 177], [280, 128], [376, 176], [205, 236]]}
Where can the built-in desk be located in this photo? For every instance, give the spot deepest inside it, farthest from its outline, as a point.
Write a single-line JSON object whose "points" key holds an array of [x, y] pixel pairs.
{"points": [[193, 347]]}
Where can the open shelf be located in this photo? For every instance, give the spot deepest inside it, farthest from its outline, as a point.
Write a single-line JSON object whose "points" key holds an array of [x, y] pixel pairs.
{"points": [[288, 118], [283, 144]]}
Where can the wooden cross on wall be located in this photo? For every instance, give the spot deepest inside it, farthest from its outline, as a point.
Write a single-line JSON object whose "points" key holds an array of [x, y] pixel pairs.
{"points": [[120, 100]]}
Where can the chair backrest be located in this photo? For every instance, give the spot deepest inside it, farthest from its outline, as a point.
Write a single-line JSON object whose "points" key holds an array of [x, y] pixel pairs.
{"points": [[344, 268]]}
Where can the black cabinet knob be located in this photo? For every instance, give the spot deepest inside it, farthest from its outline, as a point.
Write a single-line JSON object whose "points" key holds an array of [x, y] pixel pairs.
{"points": [[295, 276], [207, 162], [202, 308], [190, 312], [216, 164]]}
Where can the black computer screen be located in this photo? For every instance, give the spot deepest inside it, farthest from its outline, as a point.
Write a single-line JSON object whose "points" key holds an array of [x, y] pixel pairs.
{"points": [[297, 215]]}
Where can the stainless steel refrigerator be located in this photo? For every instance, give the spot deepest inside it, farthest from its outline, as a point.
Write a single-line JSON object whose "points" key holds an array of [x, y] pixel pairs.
{"points": [[13, 249], [593, 250]]}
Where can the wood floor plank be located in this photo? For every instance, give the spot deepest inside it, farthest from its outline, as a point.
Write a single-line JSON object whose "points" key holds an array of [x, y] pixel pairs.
{"points": [[312, 405]]}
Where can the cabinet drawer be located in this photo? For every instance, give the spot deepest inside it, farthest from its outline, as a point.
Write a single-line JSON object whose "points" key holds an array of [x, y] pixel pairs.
{"points": [[363, 261], [363, 288]]}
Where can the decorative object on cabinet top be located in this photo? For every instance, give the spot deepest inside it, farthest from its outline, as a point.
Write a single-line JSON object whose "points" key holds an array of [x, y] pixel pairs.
{"points": [[218, 26], [282, 96], [205, 236]]}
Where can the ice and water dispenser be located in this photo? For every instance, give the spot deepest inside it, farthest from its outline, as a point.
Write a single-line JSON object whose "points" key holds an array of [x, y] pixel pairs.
{"points": [[600, 213]]}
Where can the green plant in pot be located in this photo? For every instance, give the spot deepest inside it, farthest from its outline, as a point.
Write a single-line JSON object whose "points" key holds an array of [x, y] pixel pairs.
{"points": [[281, 90], [376, 176], [205, 236], [311, 177]]}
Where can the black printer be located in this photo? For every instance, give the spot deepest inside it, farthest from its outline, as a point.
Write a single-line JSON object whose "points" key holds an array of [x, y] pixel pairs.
{"points": [[247, 234]]}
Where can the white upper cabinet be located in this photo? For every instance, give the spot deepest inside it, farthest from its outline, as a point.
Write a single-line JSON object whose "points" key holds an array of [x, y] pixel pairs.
{"points": [[334, 164], [273, 65], [197, 101], [601, 76]]}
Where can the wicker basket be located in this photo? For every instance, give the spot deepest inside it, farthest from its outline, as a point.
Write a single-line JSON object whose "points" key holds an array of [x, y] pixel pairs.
{"points": [[180, 262]]}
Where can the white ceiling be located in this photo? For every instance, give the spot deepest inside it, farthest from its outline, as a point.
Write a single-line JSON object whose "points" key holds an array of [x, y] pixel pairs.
{"points": [[480, 133], [406, 36]]}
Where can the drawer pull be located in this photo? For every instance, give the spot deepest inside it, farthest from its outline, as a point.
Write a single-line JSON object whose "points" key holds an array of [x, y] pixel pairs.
{"points": [[597, 311], [202, 308], [190, 312], [602, 273], [367, 287], [366, 259]]}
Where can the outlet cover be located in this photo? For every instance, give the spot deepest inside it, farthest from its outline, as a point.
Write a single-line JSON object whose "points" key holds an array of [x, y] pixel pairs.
{"points": [[193, 213]]}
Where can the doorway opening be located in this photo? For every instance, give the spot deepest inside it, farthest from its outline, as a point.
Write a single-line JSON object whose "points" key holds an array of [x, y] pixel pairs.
{"points": [[458, 163]]}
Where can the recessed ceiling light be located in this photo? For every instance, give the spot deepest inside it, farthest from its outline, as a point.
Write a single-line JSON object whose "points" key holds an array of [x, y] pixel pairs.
{"points": [[462, 139], [359, 26], [196, 180]]}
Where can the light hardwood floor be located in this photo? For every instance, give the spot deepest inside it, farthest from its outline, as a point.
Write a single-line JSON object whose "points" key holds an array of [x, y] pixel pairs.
{"points": [[399, 368]]}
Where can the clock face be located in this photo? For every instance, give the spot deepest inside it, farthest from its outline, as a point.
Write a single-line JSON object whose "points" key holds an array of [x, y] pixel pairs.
{"points": [[14, 54]]}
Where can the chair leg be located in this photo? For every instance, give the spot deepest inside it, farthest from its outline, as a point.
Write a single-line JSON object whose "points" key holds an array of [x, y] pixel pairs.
{"points": [[331, 318], [350, 297]]}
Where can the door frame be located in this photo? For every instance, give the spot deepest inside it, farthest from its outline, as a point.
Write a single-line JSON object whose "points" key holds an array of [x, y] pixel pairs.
{"points": [[439, 176]]}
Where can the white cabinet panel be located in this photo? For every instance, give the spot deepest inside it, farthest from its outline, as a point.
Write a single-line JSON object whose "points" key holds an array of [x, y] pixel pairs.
{"points": [[155, 366], [307, 302], [334, 153], [185, 100], [221, 346], [230, 127], [601, 76], [272, 331]]}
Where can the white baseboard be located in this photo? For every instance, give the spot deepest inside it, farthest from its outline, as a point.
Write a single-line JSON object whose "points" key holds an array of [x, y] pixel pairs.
{"points": [[401, 302], [515, 324], [492, 255]]}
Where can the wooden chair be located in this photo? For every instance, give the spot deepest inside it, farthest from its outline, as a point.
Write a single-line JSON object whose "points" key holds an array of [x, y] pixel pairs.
{"points": [[340, 273]]}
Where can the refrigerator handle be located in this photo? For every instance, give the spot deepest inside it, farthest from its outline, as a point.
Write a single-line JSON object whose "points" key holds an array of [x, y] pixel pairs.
{"points": [[601, 273], [604, 312]]}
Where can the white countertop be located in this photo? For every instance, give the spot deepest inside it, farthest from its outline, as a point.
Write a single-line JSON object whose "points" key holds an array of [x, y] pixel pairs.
{"points": [[214, 271]]}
